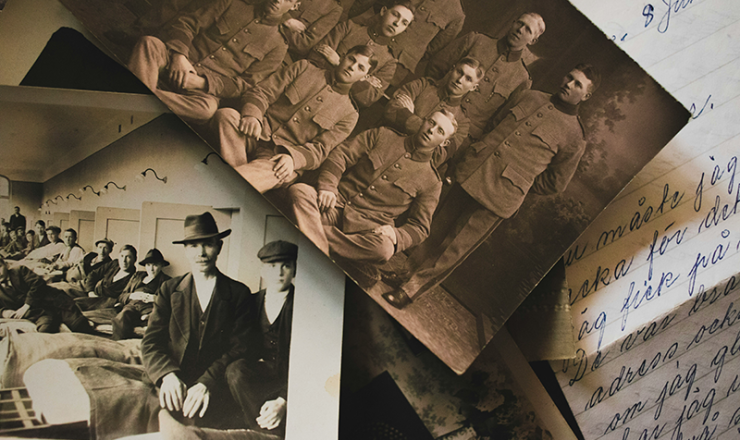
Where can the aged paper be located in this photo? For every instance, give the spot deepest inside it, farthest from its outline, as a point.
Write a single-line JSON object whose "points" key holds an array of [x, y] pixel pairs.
{"points": [[654, 290]]}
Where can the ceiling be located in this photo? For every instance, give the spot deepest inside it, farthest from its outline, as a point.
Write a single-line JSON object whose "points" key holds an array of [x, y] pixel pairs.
{"points": [[44, 131]]}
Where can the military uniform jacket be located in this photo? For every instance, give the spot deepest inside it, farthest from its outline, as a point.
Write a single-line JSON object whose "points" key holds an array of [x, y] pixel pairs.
{"points": [[225, 324], [505, 72], [429, 96], [302, 110], [536, 146], [435, 24], [230, 43], [319, 16], [349, 34], [380, 175]]}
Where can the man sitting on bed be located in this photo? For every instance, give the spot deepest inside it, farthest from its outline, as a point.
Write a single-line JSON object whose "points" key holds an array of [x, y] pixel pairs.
{"points": [[197, 328]]}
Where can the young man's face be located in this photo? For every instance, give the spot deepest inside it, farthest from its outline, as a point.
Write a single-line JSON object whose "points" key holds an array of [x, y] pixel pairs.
{"points": [[523, 32], [69, 238], [17, 210], [53, 236], [278, 274], [576, 87], [435, 130], [153, 269], [203, 254], [280, 7], [13, 234], [30, 236], [103, 249], [395, 20], [126, 260], [463, 79], [40, 229], [352, 68]]}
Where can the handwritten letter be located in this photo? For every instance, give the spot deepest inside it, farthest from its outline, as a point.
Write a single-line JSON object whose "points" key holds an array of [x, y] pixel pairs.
{"points": [[655, 290]]}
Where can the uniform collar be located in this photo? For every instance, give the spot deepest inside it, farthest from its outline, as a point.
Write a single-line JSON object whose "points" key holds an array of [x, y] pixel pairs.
{"points": [[374, 33], [417, 155], [511, 55], [341, 88], [444, 95], [269, 20], [568, 109]]}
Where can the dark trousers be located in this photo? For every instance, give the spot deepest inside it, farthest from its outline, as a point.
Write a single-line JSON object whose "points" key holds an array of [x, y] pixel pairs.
{"points": [[252, 384], [128, 319]]}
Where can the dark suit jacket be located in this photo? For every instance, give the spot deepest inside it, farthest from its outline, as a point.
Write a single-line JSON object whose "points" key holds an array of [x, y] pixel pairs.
{"points": [[169, 331]]}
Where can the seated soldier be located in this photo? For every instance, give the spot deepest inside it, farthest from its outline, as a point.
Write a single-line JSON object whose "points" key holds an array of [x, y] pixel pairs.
{"points": [[368, 183], [102, 287], [198, 327], [219, 51], [262, 377], [384, 27], [415, 101], [307, 24], [291, 121], [24, 295], [137, 299]]}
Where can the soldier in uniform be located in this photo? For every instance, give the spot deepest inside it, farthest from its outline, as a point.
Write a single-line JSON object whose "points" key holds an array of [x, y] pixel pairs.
{"points": [[415, 101], [536, 146], [503, 63], [291, 121], [308, 23], [387, 24], [369, 182], [216, 52]]}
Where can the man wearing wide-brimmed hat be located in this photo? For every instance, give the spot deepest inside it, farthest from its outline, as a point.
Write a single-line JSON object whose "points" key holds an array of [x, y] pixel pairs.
{"points": [[138, 296], [196, 329]]}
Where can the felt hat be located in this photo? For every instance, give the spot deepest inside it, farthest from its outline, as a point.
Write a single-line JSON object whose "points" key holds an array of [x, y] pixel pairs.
{"points": [[278, 251], [201, 227], [154, 256]]}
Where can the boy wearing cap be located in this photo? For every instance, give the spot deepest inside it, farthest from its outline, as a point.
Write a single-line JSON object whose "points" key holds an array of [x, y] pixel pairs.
{"points": [[262, 376], [138, 296], [198, 326]]}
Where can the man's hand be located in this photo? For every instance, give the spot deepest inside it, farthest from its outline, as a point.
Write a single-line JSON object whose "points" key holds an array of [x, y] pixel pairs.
{"points": [[198, 398], [284, 166], [92, 294], [250, 126], [180, 66], [330, 54], [327, 200], [193, 81], [272, 413], [405, 101], [388, 231], [171, 392], [21, 312], [141, 296], [375, 82], [294, 25]]}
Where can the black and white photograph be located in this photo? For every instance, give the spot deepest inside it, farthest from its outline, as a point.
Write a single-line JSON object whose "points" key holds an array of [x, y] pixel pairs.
{"points": [[444, 153], [146, 288]]}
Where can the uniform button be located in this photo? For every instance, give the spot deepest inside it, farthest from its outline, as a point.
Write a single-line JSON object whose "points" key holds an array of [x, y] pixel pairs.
{"points": [[235, 40], [467, 99], [384, 177], [295, 119], [197, 65], [307, 108], [246, 31], [212, 57], [486, 79], [550, 107], [223, 48], [507, 143], [502, 58], [257, 21], [497, 154], [349, 202], [372, 187], [397, 165], [393, 40], [407, 155], [518, 133], [320, 99], [361, 195], [528, 124], [539, 115], [495, 69], [422, 8]]}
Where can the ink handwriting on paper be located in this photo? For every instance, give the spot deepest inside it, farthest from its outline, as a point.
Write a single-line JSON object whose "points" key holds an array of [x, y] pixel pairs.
{"points": [[672, 7], [696, 111]]}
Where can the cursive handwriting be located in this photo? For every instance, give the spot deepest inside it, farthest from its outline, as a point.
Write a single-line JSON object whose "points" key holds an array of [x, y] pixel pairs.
{"points": [[636, 298], [710, 259], [665, 21], [693, 109]]}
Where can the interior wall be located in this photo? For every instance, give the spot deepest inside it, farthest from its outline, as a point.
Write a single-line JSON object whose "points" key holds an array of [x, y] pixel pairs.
{"points": [[27, 196], [168, 147]]}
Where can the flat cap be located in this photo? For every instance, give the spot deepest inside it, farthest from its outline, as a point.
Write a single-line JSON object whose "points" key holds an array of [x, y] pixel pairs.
{"points": [[278, 251]]}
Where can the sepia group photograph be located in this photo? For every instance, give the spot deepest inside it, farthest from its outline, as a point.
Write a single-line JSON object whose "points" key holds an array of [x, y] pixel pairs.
{"points": [[146, 288], [444, 153]]}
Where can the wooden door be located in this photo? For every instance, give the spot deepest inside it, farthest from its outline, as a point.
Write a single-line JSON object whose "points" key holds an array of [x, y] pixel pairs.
{"points": [[119, 225], [84, 223]]}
